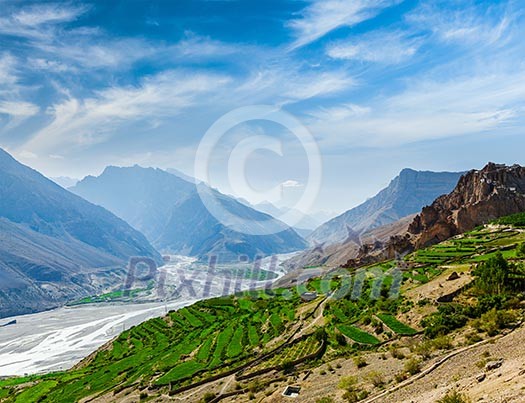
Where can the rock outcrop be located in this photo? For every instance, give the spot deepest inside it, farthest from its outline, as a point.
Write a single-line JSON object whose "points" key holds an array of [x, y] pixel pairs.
{"points": [[480, 197]]}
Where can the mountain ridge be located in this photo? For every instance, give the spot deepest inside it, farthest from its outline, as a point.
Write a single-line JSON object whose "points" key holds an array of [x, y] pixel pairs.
{"points": [[53, 241], [406, 194], [170, 211]]}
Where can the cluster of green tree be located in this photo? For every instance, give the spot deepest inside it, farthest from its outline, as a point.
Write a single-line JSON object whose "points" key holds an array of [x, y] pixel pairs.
{"points": [[516, 220], [497, 276]]}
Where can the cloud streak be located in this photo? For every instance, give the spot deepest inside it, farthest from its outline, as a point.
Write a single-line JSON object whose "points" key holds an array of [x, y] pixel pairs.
{"points": [[428, 110], [38, 21], [80, 123], [323, 16], [388, 47]]}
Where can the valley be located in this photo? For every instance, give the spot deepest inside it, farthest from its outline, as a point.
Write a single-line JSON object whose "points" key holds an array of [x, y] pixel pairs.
{"points": [[58, 339], [338, 344]]}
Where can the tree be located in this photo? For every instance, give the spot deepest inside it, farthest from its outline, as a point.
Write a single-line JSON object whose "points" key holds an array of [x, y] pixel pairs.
{"points": [[492, 276], [520, 250]]}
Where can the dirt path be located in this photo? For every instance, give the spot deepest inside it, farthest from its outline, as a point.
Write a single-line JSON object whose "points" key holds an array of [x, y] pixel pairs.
{"points": [[318, 318]]}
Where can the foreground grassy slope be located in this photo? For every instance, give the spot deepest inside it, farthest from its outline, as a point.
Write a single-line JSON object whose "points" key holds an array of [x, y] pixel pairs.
{"points": [[275, 329]]}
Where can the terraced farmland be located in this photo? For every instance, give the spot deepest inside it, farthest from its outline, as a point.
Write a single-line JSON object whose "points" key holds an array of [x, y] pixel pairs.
{"points": [[395, 325], [186, 345], [357, 335], [220, 336]]}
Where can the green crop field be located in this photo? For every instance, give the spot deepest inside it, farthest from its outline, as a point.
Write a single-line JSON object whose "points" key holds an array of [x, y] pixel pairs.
{"points": [[357, 334], [395, 325]]}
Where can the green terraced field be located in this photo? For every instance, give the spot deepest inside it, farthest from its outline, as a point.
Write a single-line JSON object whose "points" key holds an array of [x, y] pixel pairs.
{"points": [[213, 334], [395, 325], [357, 335]]}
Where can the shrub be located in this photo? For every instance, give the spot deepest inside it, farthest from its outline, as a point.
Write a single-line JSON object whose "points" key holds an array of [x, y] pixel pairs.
{"points": [[400, 377], [520, 251], [375, 378], [442, 343], [397, 353], [413, 366], [360, 362], [354, 396], [424, 349], [448, 318], [325, 400], [208, 397], [341, 339], [454, 397], [423, 302], [473, 337], [493, 321], [348, 383]]}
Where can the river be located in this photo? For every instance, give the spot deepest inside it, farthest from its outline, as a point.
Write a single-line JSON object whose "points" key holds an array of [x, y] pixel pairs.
{"points": [[58, 339]]}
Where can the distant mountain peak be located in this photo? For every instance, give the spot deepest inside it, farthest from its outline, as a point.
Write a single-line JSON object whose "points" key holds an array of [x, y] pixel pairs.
{"points": [[171, 212], [406, 194]]}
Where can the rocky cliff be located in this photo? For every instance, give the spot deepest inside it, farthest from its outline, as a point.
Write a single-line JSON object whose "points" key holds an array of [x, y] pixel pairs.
{"points": [[480, 197]]}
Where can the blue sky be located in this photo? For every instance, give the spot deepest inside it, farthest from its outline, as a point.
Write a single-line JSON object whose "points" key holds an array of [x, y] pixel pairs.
{"points": [[381, 85]]}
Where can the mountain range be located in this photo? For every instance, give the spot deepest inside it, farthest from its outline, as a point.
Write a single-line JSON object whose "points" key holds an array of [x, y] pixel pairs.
{"points": [[170, 211], [54, 245]]}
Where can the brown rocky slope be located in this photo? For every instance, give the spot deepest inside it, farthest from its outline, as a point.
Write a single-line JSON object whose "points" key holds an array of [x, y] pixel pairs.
{"points": [[480, 197]]}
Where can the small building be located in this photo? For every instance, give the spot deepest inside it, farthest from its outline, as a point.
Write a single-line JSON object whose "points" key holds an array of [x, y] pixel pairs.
{"points": [[292, 391], [308, 296]]}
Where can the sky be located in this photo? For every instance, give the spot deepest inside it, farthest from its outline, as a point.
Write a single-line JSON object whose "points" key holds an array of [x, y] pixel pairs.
{"points": [[379, 85]]}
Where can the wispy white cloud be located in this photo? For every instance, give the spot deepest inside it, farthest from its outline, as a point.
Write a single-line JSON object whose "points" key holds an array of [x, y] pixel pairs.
{"points": [[49, 65], [7, 70], [197, 46], [38, 21], [18, 109], [16, 112], [288, 84], [389, 47], [466, 26], [430, 109], [339, 112], [94, 52], [13, 109], [323, 16], [85, 122]]}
